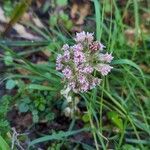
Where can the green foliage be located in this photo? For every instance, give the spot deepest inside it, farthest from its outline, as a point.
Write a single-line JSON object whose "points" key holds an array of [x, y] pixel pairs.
{"points": [[3, 144], [53, 20], [8, 7], [56, 136], [10, 84], [61, 2], [24, 105], [115, 118], [8, 59], [61, 18], [37, 104], [122, 97], [4, 107], [85, 118], [36, 101], [129, 147]]}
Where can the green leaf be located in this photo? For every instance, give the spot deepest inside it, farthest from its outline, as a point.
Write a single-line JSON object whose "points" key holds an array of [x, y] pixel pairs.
{"points": [[39, 87], [35, 116], [61, 2], [8, 8], [53, 20], [129, 147], [131, 63], [50, 116], [41, 107], [64, 16], [56, 136], [85, 118], [8, 60], [69, 25], [23, 107], [10, 84], [3, 144], [114, 117]]}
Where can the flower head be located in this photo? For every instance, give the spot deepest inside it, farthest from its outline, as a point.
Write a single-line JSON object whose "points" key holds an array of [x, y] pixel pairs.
{"points": [[89, 37], [67, 72], [79, 62], [106, 57], [80, 37], [104, 69], [65, 47], [77, 47], [66, 56], [79, 57]]}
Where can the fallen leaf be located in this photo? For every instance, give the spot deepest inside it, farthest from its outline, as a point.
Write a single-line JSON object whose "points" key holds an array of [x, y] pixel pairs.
{"points": [[23, 71], [81, 9], [145, 68], [41, 62], [24, 121], [47, 52], [37, 22], [21, 30], [40, 3], [2, 28], [3, 18]]}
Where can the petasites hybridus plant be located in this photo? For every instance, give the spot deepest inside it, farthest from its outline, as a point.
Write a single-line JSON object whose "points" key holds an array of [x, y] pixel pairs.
{"points": [[78, 64]]}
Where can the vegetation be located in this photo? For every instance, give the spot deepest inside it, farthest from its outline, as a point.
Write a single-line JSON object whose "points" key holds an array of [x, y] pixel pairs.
{"points": [[114, 115]]}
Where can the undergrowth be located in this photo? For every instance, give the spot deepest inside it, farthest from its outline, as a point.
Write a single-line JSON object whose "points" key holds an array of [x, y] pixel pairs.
{"points": [[116, 113]]}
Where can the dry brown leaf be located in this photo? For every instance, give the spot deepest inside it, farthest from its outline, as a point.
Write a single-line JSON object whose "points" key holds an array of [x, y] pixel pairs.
{"points": [[145, 68], [29, 17], [41, 62], [26, 17], [24, 121], [40, 3], [2, 28], [81, 9], [131, 35], [45, 83], [23, 71], [37, 22], [146, 17], [21, 30], [47, 52], [3, 18]]}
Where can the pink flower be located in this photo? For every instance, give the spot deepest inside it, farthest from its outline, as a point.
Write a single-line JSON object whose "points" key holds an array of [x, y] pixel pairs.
{"points": [[59, 60], [67, 72], [79, 57], [106, 57], [101, 46], [85, 87], [96, 46], [65, 47], [95, 82], [59, 66], [80, 37], [77, 47], [66, 56], [72, 84], [89, 37], [104, 69], [78, 62], [82, 78], [88, 69]]}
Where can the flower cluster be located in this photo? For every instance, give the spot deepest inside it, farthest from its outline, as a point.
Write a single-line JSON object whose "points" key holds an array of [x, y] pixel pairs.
{"points": [[79, 62]]}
